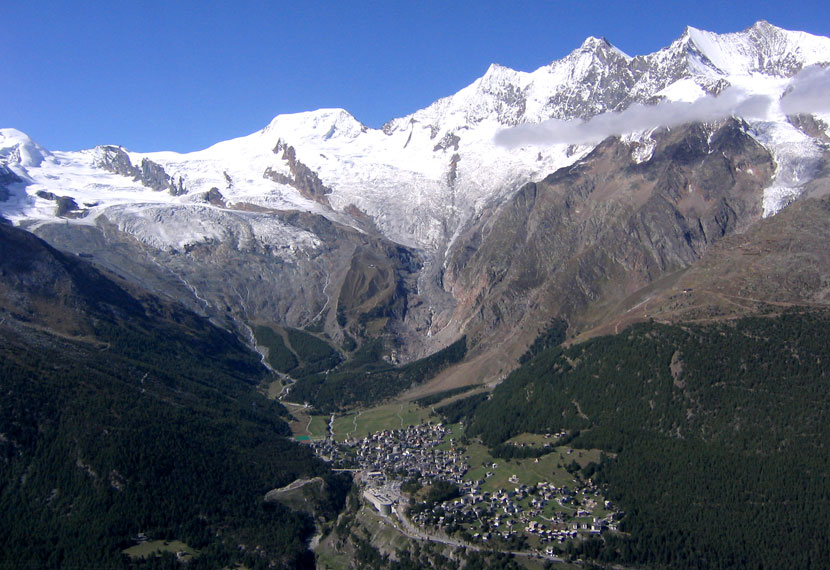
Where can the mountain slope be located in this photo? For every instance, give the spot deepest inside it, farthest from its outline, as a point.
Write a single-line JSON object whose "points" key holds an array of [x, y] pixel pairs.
{"points": [[380, 171], [778, 263], [125, 415], [274, 227], [715, 437], [589, 235]]}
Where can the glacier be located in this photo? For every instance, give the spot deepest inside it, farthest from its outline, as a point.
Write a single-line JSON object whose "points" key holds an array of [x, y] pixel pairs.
{"points": [[420, 178]]}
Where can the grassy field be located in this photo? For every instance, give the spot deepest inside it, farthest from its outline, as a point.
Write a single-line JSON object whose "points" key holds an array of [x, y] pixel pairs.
{"points": [[156, 547], [328, 559], [390, 416], [303, 423], [344, 426], [451, 440], [550, 467], [299, 425], [274, 389], [318, 428], [532, 439]]}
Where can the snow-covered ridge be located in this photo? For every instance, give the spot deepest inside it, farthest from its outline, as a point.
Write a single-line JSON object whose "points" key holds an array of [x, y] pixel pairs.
{"points": [[17, 149], [762, 48], [423, 176], [177, 226]]}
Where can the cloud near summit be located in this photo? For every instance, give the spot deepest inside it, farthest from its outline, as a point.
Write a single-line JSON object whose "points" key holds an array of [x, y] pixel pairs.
{"points": [[808, 92]]}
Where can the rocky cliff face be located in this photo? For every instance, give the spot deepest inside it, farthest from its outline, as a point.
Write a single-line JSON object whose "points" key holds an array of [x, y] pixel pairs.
{"points": [[7, 177], [251, 275], [575, 243], [428, 228], [301, 176], [148, 173]]}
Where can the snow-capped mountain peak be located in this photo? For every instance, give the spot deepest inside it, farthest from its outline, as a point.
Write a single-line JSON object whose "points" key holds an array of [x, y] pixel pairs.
{"points": [[17, 149], [322, 123], [761, 48], [601, 47], [421, 177], [312, 200]]}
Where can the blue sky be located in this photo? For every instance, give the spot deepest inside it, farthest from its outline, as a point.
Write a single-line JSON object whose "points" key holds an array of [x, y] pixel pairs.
{"points": [[179, 75]]}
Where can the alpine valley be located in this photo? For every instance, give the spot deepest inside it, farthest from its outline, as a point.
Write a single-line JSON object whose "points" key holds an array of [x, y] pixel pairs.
{"points": [[630, 249]]}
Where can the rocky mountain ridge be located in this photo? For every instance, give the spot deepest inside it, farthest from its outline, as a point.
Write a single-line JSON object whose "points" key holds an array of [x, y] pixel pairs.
{"points": [[595, 232], [429, 228]]}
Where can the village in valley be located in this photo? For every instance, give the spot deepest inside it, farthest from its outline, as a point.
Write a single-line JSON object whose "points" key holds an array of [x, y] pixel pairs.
{"points": [[433, 483]]}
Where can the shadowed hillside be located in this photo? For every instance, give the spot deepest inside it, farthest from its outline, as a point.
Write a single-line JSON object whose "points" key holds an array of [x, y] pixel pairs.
{"points": [[123, 416]]}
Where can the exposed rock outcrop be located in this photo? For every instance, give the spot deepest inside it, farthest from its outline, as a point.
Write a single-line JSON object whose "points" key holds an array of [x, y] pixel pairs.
{"points": [[587, 235], [65, 204], [302, 177], [287, 267], [150, 174], [7, 178]]}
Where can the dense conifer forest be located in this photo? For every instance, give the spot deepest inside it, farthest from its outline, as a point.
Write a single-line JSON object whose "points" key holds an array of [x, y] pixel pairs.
{"points": [[149, 423], [148, 437], [366, 378], [124, 417], [715, 437]]}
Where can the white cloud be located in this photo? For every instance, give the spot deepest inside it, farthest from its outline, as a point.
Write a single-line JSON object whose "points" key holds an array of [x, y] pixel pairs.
{"points": [[808, 92]]}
